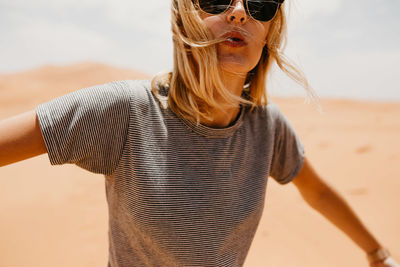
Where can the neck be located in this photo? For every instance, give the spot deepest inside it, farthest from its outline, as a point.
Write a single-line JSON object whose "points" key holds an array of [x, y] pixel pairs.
{"points": [[224, 117]]}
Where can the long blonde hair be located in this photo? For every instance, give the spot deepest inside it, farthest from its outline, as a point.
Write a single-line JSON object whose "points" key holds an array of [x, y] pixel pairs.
{"points": [[195, 81]]}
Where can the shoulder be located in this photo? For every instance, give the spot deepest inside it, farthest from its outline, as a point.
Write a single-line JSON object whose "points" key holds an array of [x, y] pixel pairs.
{"points": [[272, 110], [269, 119], [116, 96], [134, 86], [131, 88], [139, 91], [270, 113], [135, 93]]}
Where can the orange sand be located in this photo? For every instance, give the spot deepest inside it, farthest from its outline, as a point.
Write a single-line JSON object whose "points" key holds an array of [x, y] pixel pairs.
{"points": [[57, 216]]}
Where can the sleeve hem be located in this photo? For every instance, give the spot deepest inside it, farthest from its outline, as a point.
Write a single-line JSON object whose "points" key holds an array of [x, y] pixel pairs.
{"points": [[296, 171], [50, 140]]}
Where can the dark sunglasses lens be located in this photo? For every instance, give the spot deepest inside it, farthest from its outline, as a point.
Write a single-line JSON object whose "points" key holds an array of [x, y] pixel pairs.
{"points": [[263, 10], [214, 6]]}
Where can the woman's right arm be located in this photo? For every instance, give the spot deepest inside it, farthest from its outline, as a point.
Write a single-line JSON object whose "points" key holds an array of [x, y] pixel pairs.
{"points": [[20, 138]]}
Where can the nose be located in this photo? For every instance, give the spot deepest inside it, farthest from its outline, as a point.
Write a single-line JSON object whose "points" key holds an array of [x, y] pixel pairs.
{"points": [[237, 13]]}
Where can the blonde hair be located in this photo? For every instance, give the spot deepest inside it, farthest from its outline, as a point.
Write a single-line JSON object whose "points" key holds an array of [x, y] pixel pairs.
{"points": [[195, 82]]}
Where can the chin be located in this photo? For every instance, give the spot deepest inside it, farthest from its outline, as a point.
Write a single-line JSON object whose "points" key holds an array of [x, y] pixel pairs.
{"points": [[235, 68], [236, 63]]}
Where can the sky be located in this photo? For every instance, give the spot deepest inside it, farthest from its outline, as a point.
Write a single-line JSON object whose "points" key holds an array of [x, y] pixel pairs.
{"points": [[347, 49]]}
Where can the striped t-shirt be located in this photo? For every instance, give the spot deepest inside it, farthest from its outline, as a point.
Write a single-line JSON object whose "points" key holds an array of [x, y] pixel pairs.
{"points": [[179, 194]]}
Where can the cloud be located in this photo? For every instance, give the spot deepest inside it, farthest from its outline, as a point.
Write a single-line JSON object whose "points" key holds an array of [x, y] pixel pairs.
{"points": [[116, 32], [40, 42], [346, 48], [149, 15], [365, 75], [308, 8]]}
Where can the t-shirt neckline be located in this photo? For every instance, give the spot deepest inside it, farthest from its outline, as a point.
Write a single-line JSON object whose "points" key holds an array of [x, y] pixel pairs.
{"points": [[212, 132], [207, 131]]}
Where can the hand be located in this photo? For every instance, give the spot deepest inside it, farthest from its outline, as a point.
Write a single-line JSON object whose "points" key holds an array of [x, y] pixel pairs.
{"points": [[389, 262]]}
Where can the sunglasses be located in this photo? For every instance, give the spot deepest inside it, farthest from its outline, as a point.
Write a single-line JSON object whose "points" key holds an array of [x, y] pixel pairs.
{"points": [[262, 10]]}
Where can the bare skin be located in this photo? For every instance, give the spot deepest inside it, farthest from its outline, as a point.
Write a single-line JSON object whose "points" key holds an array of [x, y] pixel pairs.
{"points": [[21, 138], [235, 62], [315, 191], [329, 203]]}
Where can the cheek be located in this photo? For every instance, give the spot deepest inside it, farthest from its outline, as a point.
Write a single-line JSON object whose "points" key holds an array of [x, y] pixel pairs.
{"points": [[260, 36], [262, 29], [260, 40], [214, 24], [266, 31], [255, 58]]}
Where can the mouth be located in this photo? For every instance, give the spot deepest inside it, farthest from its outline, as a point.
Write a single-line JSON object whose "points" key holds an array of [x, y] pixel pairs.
{"points": [[234, 39]]}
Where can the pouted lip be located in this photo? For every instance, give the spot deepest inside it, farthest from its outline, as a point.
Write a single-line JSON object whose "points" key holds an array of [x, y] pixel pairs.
{"points": [[235, 36]]}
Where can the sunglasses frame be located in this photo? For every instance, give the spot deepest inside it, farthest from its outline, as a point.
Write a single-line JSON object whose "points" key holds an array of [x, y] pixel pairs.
{"points": [[278, 2]]}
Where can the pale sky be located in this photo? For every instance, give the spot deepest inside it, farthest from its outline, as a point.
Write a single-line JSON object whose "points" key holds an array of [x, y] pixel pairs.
{"points": [[348, 49]]}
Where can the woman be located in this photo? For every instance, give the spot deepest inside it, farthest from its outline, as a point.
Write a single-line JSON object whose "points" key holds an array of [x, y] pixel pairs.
{"points": [[187, 157]]}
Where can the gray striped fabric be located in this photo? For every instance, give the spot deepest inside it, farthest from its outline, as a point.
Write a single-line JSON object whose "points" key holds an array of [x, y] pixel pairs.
{"points": [[179, 194]]}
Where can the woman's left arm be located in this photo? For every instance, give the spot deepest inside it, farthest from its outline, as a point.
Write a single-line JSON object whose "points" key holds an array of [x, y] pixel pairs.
{"points": [[323, 198]]}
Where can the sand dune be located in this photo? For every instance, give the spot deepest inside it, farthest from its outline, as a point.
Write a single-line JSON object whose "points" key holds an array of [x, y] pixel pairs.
{"points": [[57, 216], [22, 91]]}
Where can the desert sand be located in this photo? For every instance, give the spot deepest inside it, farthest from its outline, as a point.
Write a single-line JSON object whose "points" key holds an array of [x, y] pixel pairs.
{"points": [[57, 216]]}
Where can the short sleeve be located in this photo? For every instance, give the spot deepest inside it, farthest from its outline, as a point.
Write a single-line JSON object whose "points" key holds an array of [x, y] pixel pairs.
{"points": [[87, 127], [288, 151]]}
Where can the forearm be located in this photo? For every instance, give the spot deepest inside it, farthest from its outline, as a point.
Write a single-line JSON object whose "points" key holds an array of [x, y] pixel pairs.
{"points": [[333, 207]]}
